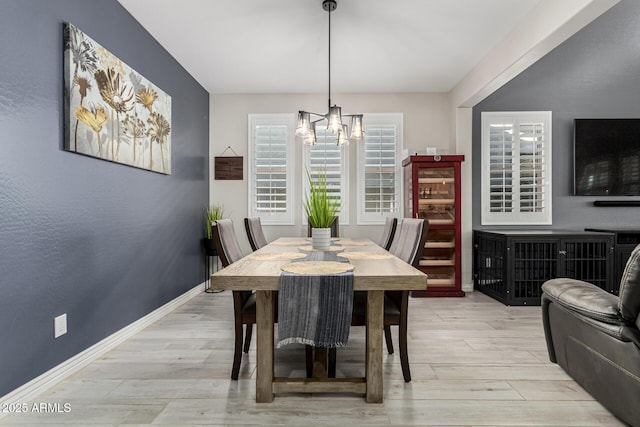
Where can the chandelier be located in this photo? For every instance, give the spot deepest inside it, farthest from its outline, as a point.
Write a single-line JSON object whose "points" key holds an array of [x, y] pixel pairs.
{"points": [[306, 124]]}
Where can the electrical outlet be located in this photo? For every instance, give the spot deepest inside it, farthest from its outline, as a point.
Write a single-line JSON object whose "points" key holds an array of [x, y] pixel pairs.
{"points": [[60, 325]]}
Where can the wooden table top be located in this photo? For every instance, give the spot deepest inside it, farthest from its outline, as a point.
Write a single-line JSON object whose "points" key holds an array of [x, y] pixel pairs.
{"points": [[254, 273]]}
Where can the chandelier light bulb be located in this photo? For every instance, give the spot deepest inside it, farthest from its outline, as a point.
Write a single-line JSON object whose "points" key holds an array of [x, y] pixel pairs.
{"points": [[335, 119], [342, 136], [304, 123], [357, 131]]}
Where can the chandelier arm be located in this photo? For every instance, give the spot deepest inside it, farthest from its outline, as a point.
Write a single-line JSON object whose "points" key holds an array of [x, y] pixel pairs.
{"points": [[317, 114]]}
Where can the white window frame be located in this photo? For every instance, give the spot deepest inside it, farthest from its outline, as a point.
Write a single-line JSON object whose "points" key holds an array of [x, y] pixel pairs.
{"points": [[343, 215], [288, 120], [516, 216], [377, 218]]}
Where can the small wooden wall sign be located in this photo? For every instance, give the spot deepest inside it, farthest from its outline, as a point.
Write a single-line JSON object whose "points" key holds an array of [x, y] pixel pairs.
{"points": [[228, 167]]}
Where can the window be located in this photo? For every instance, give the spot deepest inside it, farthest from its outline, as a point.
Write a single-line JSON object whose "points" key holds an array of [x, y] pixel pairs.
{"points": [[327, 156], [271, 167], [516, 168], [379, 169]]}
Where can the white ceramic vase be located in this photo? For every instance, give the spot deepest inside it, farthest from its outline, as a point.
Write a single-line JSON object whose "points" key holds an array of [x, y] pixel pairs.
{"points": [[320, 238]]}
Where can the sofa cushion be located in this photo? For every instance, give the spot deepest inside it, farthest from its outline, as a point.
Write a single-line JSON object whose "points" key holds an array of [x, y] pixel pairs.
{"points": [[630, 288], [584, 298]]}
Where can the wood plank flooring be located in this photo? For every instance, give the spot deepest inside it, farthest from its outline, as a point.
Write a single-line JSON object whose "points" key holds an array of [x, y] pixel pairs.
{"points": [[474, 362]]}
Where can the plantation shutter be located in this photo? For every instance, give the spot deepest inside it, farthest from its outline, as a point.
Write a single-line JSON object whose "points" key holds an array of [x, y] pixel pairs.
{"points": [[532, 167], [380, 169], [271, 169], [381, 184], [501, 167], [516, 184], [271, 166], [328, 157]]}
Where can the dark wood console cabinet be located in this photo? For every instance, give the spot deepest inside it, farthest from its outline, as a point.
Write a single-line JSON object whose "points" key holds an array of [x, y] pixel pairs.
{"points": [[511, 266]]}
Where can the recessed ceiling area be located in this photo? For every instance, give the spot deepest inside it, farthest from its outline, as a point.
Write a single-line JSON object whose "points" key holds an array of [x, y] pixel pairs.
{"points": [[281, 46]]}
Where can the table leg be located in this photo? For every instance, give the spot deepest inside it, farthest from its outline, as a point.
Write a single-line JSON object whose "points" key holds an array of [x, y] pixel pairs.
{"points": [[264, 348], [319, 362], [375, 317]]}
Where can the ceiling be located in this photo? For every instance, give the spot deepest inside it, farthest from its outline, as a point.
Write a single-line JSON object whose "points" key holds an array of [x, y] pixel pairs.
{"points": [[281, 46]]}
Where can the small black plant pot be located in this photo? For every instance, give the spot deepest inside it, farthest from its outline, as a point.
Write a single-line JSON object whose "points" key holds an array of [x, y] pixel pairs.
{"points": [[209, 247]]}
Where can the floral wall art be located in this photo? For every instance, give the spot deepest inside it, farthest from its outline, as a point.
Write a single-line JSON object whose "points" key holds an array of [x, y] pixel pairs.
{"points": [[113, 113]]}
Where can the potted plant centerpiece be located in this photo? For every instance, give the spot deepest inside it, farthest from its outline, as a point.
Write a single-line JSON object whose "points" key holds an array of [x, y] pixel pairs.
{"points": [[212, 213], [321, 210]]}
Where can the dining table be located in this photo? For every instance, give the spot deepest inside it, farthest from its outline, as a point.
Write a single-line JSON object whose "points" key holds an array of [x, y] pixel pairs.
{"points": [[375, 271]]}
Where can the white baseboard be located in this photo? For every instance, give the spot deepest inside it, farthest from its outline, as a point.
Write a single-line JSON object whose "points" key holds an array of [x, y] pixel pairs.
{"points": [[40, 384]]}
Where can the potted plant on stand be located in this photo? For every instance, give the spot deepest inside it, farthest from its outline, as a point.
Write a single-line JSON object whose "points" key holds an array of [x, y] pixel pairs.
{"points": [[212, 213], [321, 210]]}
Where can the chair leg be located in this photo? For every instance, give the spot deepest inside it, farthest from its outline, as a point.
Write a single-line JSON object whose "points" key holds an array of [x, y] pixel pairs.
{"points": [[404, 355], [237, 353], [331, 366], [308, 353], [388, 339], [247, 337]]}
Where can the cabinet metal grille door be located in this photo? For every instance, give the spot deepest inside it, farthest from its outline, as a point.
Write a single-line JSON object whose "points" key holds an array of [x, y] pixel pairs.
{"points": [[533, 264], [490, 272], [587, 261]]}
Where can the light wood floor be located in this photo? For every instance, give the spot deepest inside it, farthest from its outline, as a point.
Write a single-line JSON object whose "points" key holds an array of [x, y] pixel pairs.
{"points": [[474, 362]]}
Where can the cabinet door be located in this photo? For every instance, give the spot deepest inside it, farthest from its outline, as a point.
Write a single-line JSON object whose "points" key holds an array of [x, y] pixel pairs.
{"points": [[436, 194], [586, 259], [408, 192], [534, 262]]}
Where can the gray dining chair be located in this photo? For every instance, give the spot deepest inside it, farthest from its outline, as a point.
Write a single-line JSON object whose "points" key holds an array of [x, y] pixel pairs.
{"points": [[388, 232], [244, 302], [409, 247], [253, 227], [393, 246]]}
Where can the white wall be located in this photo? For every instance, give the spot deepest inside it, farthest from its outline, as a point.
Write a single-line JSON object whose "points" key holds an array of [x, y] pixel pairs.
{"points": [[426, 123]]}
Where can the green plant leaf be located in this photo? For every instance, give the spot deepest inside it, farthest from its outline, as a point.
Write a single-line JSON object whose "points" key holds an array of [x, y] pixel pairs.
{"points": [[320, 208], [213, 213]]}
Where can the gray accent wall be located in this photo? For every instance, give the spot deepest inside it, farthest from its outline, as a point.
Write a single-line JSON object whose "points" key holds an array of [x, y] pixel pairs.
{"points": [[594, 74], [102, 242]]}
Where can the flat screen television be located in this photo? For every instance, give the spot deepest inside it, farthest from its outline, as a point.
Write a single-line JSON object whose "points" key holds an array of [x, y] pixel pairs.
{"points": [[606, 157]]}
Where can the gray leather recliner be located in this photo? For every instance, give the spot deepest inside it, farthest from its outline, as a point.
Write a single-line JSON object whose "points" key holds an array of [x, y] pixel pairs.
{"points": [[595, 337]]}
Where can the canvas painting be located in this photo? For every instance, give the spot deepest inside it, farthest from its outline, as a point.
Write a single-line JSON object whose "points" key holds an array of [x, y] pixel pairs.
{"points": [[112, 112]]}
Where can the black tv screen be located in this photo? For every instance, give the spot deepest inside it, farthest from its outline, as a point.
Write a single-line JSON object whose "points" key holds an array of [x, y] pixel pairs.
{"points": [[606, 157]]}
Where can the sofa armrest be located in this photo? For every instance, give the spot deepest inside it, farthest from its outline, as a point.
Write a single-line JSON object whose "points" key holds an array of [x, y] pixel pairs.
{"points": [[584, 298]]}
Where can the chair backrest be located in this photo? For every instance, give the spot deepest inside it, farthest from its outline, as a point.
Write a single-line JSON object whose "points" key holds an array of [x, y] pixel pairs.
{"points": [[388, 232], [335, 228], [255, 233], [629, 304], [396, 236], [226, 242], [410, 239]]}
